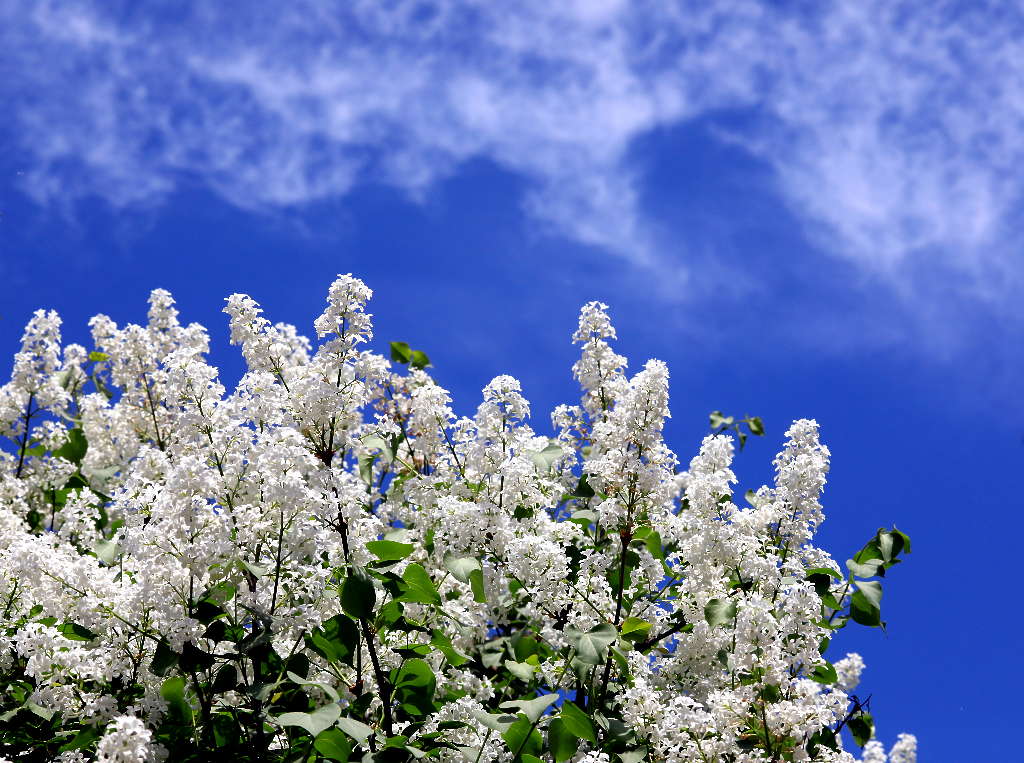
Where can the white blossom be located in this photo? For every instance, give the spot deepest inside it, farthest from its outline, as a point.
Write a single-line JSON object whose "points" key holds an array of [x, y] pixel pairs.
{"points": [[849, 669], [128, 741], [262, 501]]}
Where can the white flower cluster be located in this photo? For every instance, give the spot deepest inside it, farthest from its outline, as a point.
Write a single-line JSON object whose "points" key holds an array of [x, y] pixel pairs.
{"points": [[127, 741], [904, 750], [136, 488]]}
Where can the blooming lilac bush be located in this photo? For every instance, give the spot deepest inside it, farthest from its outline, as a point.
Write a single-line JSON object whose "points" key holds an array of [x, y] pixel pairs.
{"points": [[326, 564]]}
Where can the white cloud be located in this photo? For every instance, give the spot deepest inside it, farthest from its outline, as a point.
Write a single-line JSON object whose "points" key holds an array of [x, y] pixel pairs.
{"points": [[894, 129], [899, 131]]}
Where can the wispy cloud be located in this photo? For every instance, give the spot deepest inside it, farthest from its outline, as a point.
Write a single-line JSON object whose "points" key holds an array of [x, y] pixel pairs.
{"points": [[894, 129]]}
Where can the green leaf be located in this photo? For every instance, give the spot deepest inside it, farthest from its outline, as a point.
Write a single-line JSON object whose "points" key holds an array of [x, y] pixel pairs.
{"points": [[862, 726], [815, 571], [355, 729], [358, 595], [872, 591], [415, 684], [544, 459], [620, 659], [584, 517], [524, 647], [770, 693], [862, 611], [400, 352], [419, 359], [756, 426], [74, 449], [633, 756], [103, 474], [649, 537], [366, 469], [591, 647], [825, 674], [106, 551], [522, 670], [885, 544], [378, 442], [327, 689], [461, 567], [164, 658], [207, 609], [333, 745], [618, 732], [45, 713], [443, 643], [531, 708], [421, 588], [194, 658], [717, 420], [901, 541], [336, 640], [390, 614], [96, 356], [867, 569], [416, 673], [493, 652], [76, 632], [476, 582], [226, 679], [408, 652], [562, 742], [173, 692], [315, 722], [523, 739], [82, 739], [495, 722], [220, 592], [719, 612], [389, 550], [577, 722], [257, 570], [823, 737], [4, 717], [583, 489], [870, 551], [634, 629]]}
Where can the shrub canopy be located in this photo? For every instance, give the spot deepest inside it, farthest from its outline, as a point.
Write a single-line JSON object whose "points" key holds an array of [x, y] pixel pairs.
{"points": [[325, 563]]}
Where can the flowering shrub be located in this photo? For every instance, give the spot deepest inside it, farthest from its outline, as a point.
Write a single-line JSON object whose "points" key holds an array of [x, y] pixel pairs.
{"points": [[327, 564]]}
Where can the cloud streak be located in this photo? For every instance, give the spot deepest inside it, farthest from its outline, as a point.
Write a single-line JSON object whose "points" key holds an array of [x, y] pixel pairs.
{"points": [[893, 129]]}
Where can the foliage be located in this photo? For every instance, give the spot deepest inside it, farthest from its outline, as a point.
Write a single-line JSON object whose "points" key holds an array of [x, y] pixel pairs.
{"points": [[326, 564]]}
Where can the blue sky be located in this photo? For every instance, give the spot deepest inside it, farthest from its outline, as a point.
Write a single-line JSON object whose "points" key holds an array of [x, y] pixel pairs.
{"points": [[806, 209]]}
